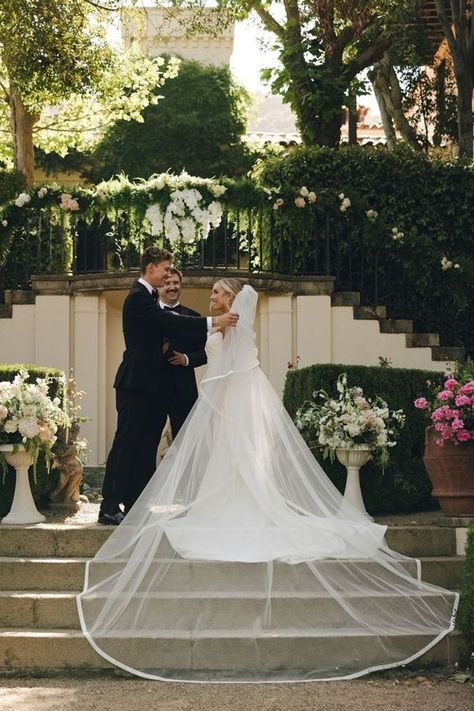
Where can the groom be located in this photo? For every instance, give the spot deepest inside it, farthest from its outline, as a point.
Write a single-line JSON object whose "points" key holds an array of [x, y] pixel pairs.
{"points": [[142, 389], [183, 353]]}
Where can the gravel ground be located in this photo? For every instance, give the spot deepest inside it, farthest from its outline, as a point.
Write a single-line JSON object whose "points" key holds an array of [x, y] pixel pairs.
{"points": [[422, 693]]}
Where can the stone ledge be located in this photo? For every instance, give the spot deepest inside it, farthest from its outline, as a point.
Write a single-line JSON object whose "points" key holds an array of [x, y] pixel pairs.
{"points": [[94, 283]]}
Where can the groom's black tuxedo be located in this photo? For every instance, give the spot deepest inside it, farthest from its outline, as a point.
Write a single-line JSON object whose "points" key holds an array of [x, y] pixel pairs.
{"points": [[142, 395], [181, 381]]}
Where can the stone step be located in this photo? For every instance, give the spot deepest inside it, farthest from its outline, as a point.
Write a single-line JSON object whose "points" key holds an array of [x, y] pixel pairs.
{"points": [[179, 610], [69, 649], [66, 574], [84, 540], [448, 353], [421, 340], [19, 296], [6, 311], [396, 325], [363, 313], [345, 298]]}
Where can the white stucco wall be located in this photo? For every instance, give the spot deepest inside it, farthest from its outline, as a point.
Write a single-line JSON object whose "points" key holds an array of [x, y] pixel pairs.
{"points": [[84, 332]]}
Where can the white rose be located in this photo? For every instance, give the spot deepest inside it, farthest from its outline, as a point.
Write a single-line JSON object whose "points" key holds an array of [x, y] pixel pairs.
{"points": [[4, 223], [217, 190], [300, 202], [22, 199], [312, 197], [10, 426], [3, 412], [42, 192], [341, 196], [304, 191]]}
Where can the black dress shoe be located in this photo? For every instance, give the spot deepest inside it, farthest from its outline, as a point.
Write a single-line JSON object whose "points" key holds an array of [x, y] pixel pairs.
{"points": [[110, 519]]}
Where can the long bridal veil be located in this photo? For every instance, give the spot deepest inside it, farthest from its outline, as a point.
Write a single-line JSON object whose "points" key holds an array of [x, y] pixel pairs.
{"points": [[238, 562]]}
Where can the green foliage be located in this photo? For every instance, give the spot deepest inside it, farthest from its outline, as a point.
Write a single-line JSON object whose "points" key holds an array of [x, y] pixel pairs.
{"points": [[427, 200], [45, 481], [11, 183], [404, 485], [466, 613], [64, 77], [196, 128]]}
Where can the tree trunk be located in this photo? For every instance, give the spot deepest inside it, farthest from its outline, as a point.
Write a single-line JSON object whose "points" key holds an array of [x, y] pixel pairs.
{"points": [[387, 122], [22, 122], [465, 121], [352, 119], [386, 82]]}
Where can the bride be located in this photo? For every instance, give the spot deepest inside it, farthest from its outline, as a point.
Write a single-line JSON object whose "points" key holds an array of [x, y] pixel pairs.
{"points": [[237, 564]]}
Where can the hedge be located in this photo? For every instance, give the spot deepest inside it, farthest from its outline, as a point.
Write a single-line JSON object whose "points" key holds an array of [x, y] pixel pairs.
{"points": [[465, 619], [45, 481], [404, 485], [428, 201]]}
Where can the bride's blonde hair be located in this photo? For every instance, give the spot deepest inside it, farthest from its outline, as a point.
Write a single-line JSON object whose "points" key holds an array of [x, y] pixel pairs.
{"points": [[230, 286]]}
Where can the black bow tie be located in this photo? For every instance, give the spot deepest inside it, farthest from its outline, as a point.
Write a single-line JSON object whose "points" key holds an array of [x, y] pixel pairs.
{"points": [[154, 295], [169, 308]]}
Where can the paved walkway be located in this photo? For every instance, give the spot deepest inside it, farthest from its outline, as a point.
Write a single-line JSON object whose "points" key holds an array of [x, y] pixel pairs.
{"points": [[401, 692]]}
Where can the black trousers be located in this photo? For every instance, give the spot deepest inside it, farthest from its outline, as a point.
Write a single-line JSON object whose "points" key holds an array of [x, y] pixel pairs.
{"points": [[178, 410], [132, 460]]}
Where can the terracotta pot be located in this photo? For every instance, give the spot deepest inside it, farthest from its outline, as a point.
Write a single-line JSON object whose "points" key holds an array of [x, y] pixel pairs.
{"points": [[451, 471]]}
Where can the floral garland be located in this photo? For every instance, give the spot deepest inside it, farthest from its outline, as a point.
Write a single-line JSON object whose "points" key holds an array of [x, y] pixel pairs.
{"points": [[178, 206]]}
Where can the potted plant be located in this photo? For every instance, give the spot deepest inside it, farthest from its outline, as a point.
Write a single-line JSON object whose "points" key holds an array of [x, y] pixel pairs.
{"points": [[29, 420], [353, 428], [449, 441]]}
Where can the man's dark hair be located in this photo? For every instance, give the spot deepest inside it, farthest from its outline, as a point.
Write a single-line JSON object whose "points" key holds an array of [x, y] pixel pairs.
{"points": [[154, 255], [176, 271]]}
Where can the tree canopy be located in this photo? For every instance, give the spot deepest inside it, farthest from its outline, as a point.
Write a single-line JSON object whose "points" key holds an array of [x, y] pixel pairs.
{"points": [[61, 82], [197, 127]]}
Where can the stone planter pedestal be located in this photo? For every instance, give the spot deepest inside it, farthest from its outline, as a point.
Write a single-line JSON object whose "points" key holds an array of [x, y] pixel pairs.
{"points": [[23, 509], [353, 459]]}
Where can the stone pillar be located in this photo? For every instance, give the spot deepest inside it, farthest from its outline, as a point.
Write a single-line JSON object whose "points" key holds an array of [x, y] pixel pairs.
{"points": [[89, 370], [276, 338], [52, 327], [313, 330]]}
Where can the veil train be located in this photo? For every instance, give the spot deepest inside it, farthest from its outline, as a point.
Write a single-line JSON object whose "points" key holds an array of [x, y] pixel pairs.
{"points": [[237, 564]]}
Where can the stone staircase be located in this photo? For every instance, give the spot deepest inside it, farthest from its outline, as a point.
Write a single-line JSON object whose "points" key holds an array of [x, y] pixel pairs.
{"points": [[43, 567], [401, 326]]}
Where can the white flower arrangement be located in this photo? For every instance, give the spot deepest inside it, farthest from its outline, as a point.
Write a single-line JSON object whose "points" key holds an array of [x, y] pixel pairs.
{"points": [[29, 416], [350, 420], [184, 210]]}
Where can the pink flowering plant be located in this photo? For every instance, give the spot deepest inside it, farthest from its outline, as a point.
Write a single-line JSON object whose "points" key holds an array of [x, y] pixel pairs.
{"points": [[451, 408]]}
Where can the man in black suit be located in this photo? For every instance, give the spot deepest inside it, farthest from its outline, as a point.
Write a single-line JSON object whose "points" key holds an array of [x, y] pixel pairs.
{"points": [[182, 353], [142, 389]]}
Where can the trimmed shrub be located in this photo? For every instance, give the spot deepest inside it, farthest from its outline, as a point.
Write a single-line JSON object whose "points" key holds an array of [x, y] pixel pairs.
{"points": [[45, 481], [404, 486], [466, 613]]}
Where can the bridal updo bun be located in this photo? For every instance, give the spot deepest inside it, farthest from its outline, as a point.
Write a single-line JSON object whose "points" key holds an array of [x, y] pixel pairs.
{"points": [[231, 286]]}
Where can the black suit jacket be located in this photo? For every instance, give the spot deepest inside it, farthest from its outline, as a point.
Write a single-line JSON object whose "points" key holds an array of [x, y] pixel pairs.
{"points": [[144, 326], [182, 379]]}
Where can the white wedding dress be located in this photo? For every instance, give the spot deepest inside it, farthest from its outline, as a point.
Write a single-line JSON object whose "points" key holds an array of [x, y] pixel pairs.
{"points": [[237, 562]]}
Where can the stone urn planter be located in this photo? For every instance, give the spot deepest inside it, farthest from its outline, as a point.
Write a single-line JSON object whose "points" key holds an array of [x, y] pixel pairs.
{"points": [[23, 508], [353, 459], [451, 472]]}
